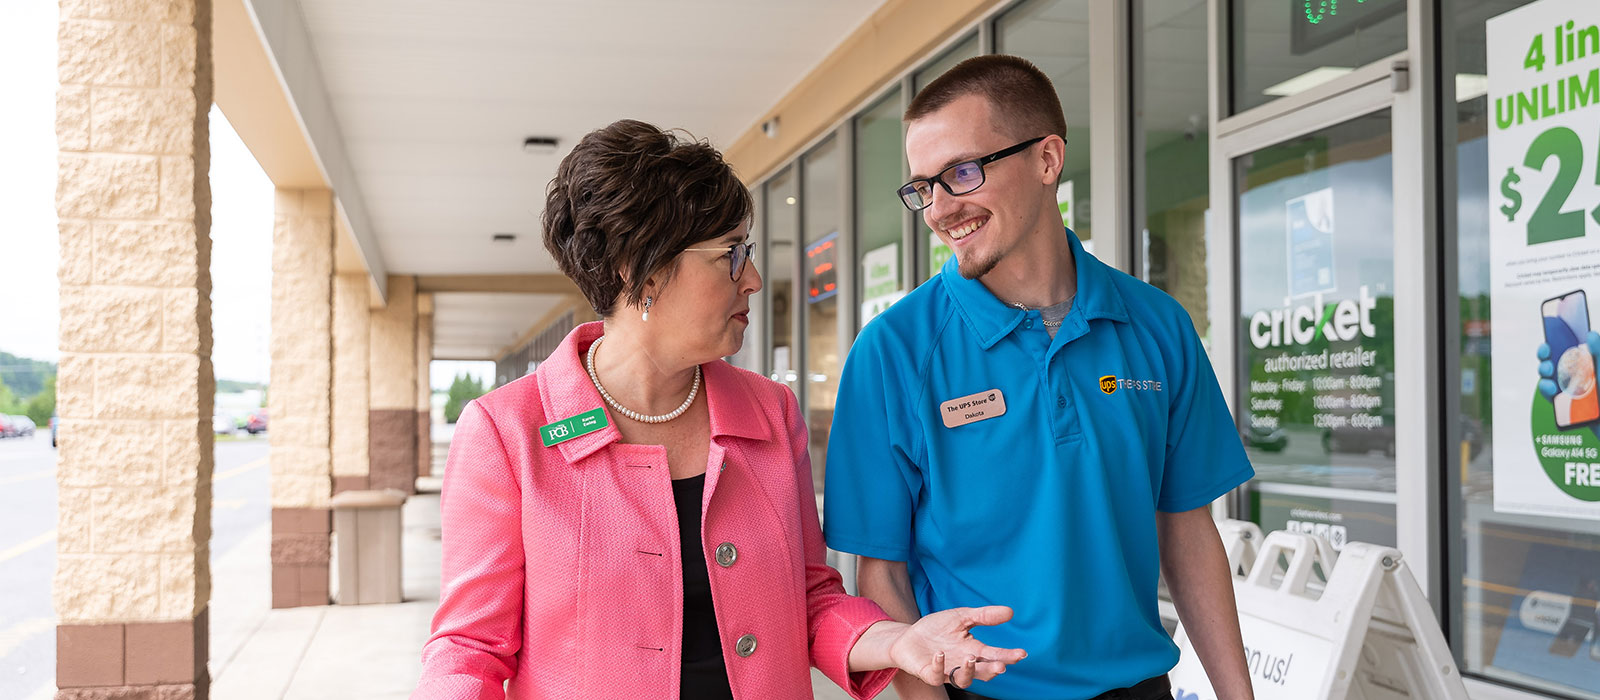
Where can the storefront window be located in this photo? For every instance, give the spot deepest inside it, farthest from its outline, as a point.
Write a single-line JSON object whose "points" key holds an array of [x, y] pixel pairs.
{"points": [[1525, 605], [1054, 35], [1316, 345], [1173, 114], [822, 212], [749, 355], [879, 215], [1285, 47], [783, 224], [933, 252]]}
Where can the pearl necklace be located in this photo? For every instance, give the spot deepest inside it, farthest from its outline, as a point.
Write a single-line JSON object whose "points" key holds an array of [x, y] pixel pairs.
{"points": [[640, 417]]}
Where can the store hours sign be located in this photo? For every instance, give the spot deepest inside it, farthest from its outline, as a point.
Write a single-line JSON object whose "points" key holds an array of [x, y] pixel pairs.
{"points": [[1544, 233]]}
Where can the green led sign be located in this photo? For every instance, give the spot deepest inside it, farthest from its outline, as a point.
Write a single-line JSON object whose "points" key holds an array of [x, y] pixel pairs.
{"points": [[1318, 23]]}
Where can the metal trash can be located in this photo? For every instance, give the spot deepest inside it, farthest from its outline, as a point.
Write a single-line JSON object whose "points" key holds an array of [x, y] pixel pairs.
{"points": [[366, 532]]}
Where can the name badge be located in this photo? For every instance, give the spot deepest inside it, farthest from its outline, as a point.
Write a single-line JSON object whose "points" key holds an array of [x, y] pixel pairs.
{"points": [[971, 409], [575, 426]]}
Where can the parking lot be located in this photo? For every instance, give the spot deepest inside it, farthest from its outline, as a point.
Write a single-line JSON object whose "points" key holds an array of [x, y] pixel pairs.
{"points": [[240, 507]]}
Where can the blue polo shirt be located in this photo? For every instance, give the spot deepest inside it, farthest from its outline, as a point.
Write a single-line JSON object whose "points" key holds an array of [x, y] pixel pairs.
{"points": [[1048, 507]]}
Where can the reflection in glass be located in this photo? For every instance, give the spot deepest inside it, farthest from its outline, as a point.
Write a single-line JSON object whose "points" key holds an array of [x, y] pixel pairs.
{"points": [[749, 355], [1282, 48], [823, 214], [933, 252], [961, 51], [1512, 566], [783, 225], [879, 166], [1054, 35], [1316, 262], [1173, 113]]}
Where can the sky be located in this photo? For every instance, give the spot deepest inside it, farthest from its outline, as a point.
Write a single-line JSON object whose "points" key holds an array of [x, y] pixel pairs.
{"points": [[241, 210]]}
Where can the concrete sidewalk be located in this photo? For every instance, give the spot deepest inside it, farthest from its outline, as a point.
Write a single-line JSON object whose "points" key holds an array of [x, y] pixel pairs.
{"points": [[343, 652], [335, 651]]}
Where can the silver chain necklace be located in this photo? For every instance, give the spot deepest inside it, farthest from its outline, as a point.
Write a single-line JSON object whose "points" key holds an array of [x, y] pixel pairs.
{"points": [[1046, 324], [635, 415]]}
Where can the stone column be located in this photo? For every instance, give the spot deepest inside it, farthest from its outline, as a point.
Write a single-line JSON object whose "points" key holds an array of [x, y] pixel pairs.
{"points": [[300, 396], [135, 384], [392, 432], [352, 318], [424, 387]]}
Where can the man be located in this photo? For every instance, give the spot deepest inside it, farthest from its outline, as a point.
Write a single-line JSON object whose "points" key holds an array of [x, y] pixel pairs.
{"points": [[1031, 427]]}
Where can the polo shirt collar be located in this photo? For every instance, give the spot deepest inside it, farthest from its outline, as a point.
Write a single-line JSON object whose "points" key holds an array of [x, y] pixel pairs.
{"points": [[991, 319], [566, 390]]}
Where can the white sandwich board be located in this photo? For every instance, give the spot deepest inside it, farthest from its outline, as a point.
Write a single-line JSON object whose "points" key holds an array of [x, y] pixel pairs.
{"points": [[1241, 540], [1324, 626]]}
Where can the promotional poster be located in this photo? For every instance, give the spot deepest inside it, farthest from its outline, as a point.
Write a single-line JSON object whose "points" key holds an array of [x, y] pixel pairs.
{"points": [[1544, 232]]}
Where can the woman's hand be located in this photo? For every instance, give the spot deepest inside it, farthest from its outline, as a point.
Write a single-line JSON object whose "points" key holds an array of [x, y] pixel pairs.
{"points": [[940, 648]]}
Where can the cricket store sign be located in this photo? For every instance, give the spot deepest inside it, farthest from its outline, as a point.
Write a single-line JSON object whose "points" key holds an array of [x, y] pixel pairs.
{"points": [[1544, 237], [1323, 345]]}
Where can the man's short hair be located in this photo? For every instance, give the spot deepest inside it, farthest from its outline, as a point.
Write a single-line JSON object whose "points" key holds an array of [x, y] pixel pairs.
{"points": [[1024, 102]]}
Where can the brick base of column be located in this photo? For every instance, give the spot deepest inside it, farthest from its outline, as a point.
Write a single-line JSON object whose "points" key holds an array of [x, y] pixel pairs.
{"points": [[392, 440], [342, 484], [134, 660], [300, 556], [149, 692], [424, 444]]}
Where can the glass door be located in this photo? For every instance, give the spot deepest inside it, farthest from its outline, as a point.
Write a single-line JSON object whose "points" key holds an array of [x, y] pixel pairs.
{"points": [[1311, 195], [1316, 360]]}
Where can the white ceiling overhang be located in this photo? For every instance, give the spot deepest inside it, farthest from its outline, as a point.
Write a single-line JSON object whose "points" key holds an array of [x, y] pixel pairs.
{"points": [[421, 109]]}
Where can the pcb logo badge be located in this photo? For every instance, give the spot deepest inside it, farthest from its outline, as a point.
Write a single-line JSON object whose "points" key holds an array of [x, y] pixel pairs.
{"points": [[1108, 384]]}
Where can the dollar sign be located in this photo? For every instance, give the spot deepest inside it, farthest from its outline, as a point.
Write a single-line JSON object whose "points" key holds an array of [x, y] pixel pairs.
{"points": [[1507, 189]]}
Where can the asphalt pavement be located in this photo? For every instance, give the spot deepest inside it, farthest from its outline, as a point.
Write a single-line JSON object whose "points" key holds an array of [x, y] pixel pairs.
{"points": [[240, 508]]}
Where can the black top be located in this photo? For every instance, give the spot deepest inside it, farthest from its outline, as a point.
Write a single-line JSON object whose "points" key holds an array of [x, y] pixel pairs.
{"points": [[705, 675]]}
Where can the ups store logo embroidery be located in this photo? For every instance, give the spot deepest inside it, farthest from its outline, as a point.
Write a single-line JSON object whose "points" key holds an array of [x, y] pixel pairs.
{"points": [[1109, 384]]}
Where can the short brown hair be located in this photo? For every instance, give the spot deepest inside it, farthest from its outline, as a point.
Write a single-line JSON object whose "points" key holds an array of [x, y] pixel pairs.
{"points": [[628, 199], [1024, 102]]}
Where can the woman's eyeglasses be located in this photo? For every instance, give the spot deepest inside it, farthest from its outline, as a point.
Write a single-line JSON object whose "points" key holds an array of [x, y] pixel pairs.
{"points": [[958, 179], [738, 254]]}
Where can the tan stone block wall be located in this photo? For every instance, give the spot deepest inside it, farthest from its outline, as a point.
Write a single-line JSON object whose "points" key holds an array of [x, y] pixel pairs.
{"points": [[393, 350], [301, 346], [424, 349], [135, 383], [424, 389], [392, 414], [352, 319]]}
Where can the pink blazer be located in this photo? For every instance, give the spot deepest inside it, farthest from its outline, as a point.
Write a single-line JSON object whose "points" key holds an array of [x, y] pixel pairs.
{"points": [[562, 570]]}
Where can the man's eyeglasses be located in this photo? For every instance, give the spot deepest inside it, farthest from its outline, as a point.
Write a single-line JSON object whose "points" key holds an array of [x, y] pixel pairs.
{"points": [[738, 254], [958, 179]]}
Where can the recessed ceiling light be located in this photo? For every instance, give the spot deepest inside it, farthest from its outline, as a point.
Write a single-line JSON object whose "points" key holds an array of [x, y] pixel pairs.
{"points": [[505, 238], [539, 145], [789, 201]]}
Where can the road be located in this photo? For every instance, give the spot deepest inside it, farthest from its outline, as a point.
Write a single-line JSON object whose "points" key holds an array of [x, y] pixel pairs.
{"points": [[240, 506]]}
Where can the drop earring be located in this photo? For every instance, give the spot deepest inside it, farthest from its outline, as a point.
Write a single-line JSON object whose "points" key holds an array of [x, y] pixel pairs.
{"points": [[647, 302]]}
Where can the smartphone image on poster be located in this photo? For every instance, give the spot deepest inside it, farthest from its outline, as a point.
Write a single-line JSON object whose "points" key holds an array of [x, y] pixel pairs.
{"points": [[1566, 326]]}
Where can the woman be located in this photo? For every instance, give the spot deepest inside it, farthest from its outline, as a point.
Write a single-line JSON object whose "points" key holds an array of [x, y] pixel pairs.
{"points": [[636, 519]]}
